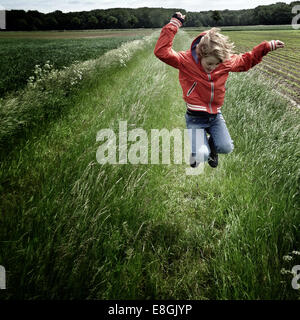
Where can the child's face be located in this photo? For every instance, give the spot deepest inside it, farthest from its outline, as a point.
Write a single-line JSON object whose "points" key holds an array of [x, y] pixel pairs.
{"points": [[210, 63]]}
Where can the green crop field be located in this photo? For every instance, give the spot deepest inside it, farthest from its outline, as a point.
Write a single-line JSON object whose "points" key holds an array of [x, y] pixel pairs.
{"points": [[72, 228], [21, 51]]}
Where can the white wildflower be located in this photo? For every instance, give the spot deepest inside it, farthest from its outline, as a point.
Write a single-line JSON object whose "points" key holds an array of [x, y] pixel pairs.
{"points": [[283, 271], [296, 253], [287, 258]]}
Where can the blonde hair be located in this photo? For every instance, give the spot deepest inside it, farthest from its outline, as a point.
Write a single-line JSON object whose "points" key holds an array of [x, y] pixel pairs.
{"points": [[215, 44]]}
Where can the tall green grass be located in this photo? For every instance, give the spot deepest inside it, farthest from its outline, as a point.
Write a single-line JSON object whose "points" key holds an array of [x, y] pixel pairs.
{"points": [[50, 91], [72, 228], [263, 214]]}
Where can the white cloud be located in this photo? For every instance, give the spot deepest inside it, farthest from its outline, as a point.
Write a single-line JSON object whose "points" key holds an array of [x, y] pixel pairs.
{"points": [[81, 5]]}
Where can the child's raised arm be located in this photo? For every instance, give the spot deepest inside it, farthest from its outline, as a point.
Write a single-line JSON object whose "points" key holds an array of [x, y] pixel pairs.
{"points": [[163, 48], [243, 62]]}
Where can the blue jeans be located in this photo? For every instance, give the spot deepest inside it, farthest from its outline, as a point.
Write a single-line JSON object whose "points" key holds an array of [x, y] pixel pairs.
{"points": [[215, 126]]}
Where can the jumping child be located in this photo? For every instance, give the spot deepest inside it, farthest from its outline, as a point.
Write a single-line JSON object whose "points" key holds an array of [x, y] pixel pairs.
{"points": [[203, 71]]}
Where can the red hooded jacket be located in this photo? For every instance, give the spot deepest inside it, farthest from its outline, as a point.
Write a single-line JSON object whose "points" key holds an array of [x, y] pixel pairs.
{"points": [[204, 91]]}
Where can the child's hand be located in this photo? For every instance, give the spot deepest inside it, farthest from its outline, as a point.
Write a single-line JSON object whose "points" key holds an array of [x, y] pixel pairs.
{"points": [[179, 16], [275, 44], [279, 44]]}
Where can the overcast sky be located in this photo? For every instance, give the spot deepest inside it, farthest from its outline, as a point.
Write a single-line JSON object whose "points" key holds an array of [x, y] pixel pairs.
{"points": [[82, 5]]}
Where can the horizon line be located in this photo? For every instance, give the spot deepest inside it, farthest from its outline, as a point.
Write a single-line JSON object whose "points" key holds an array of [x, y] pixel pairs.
{"points": [[26, 10]]}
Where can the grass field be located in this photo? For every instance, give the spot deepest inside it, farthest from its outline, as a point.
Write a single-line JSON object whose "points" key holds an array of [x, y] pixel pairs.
{"points": [[71, 228], [21, 51], [75, 34]]}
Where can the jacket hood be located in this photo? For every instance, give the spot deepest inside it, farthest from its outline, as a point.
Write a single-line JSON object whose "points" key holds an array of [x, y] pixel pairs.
{"points": [[194, 44]]}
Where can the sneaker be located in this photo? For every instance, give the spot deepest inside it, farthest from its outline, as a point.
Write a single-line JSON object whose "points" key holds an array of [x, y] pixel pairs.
{"points": [[213, 156], [193, 162], [213, 160]]}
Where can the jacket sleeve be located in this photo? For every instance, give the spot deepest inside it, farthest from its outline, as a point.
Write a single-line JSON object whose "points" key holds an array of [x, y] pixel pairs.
{"points": [[243, 62], [163, 48]]}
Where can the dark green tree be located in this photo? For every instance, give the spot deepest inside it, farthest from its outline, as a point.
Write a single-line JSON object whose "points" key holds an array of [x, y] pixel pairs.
{"points": [[216, 16], [112, 22], [92, 22]]}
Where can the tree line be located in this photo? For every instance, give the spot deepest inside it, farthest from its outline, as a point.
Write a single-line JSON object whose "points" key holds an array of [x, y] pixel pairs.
{"points": [[124, 18]]}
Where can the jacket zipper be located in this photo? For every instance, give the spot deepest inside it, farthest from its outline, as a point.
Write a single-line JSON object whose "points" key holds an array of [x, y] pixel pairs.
{"points": [[191, 89], [212, 92]]}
